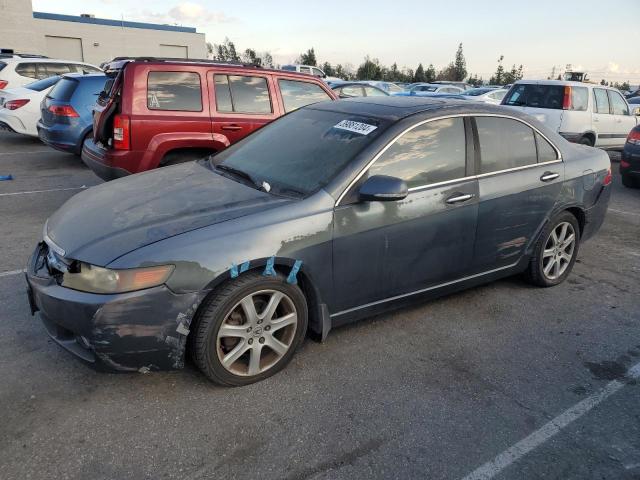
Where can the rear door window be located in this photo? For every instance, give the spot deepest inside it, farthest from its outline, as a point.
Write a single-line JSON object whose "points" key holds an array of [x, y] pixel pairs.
{"points": [[26, 70], [618, 105], [430, 153], [297, 94], [546, 152], [601, 104], [57, 69], [242, 94], [505, 144], [177, 91]]}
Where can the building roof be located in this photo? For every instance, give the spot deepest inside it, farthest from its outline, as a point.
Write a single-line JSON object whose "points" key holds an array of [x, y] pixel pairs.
{"points": [[111, 23]]}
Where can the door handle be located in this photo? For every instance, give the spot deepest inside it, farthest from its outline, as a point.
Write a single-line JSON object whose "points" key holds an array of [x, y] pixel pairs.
{"points": [[233, 128], [459, 198], [548, 176]]}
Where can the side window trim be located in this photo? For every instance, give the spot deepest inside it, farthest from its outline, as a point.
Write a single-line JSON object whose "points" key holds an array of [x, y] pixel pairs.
{"points": [[476, 174]]}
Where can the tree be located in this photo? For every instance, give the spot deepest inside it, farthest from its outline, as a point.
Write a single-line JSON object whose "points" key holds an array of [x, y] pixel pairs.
{"points": [[267, 60], [369, 70], [209, 50], [430, 74], [474, 80], [308, 58], [327, 68], [419, 76], [498, 77], [226, 52], [250, 56], [459, 70], [513, 75]]}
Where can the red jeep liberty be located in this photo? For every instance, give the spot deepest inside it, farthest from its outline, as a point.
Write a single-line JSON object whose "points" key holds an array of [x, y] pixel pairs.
{"points": [[156, 112]]}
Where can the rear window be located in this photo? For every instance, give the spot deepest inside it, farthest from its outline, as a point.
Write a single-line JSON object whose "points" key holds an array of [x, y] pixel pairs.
{"points": [[546, 96], [26, 70], [176, 91], [41, 85], [57, 68], [2, 65], [299, 94], [63, 90]]}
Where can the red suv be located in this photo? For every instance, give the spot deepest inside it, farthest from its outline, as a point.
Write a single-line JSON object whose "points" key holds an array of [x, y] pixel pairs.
{"points": [[156, 112]]}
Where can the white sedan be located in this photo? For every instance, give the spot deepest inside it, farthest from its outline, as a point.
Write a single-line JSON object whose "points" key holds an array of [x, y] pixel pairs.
{"points": [[486, 94], [20, 106]]}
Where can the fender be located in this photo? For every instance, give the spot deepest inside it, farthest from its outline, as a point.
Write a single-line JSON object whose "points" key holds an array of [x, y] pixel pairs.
{"points": [[163, 143]]}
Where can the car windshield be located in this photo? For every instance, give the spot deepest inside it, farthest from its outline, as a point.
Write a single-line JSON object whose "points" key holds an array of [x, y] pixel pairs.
{"points": [[392, 87], [301, 152], [43, 84], [474, 92]]}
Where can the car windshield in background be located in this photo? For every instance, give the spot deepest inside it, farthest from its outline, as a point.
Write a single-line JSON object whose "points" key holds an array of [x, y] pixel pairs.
{"points": [[474, 92], [43, 84], [303, 151], [63, 90]]}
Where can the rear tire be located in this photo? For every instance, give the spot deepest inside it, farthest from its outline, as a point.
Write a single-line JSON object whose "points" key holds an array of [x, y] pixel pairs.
{"points": [[249, 329], [555, 251], [629, 182], [586, 140]]}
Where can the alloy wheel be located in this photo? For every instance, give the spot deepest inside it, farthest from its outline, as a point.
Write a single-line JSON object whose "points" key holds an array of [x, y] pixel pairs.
{"points": [[558, 250], [257, 332]]}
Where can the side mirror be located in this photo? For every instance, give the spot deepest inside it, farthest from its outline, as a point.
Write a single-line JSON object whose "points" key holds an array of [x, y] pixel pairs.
{"points": [[382, 188]]}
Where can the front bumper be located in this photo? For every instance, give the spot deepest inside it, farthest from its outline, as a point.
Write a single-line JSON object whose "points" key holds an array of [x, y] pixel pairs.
{"points": [[97, 159], [125, 332]]}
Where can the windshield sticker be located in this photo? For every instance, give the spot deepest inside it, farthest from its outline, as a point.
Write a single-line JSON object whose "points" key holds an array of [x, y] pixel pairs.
{"points": [[355, 127]]}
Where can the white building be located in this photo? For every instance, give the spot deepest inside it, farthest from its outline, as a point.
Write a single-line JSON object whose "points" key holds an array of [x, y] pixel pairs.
{"points": [[89, 39]]}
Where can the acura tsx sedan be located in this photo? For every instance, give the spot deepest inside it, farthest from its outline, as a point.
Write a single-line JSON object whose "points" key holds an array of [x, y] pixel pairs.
{"points": [[334, 212]]}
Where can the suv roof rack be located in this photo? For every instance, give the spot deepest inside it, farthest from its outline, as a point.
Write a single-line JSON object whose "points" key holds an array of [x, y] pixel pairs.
{"points": [[120, 61]]}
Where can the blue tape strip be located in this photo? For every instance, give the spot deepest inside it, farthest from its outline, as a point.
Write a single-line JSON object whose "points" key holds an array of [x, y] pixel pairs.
{"points": [[233, 271], [6, 177], [294, 272], [244, 267], [268, 269]]}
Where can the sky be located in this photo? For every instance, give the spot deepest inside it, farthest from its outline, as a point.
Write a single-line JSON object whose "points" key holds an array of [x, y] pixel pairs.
{"points": [[592, 35]]}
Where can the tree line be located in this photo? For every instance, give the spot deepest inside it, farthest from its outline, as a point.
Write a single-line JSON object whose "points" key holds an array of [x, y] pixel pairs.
{"points": [[372, 69]]}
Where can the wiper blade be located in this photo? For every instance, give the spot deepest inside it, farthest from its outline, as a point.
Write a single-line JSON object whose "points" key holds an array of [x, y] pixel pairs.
{"points": [[239, 173]]}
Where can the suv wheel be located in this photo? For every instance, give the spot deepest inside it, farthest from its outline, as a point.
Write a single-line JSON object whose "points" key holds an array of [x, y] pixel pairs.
{"points": [[250, 329], [555, 251]]}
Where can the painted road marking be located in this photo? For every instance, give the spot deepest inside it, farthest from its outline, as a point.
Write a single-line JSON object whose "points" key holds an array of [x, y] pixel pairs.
{"points": [[492, 468], [623, 212], [12, 272], [43, 191], [26, 153]]}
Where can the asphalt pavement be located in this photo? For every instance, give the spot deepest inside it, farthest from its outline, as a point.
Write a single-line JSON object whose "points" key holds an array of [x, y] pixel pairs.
{"points": [[503, 381]]}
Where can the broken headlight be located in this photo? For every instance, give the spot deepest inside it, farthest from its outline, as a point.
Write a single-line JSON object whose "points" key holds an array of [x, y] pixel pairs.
{"points": [[93, 279]]}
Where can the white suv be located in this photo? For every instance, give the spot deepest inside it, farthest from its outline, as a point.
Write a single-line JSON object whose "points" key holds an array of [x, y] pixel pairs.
{"points": [[17, 72], [310, 70], [581, 112]]}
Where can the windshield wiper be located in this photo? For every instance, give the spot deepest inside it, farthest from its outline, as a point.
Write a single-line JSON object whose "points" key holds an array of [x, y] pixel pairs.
{"points": [[240, 173]]}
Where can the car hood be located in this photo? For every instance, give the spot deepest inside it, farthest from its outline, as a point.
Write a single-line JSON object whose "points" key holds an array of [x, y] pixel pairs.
{"points": [[105, 222]]}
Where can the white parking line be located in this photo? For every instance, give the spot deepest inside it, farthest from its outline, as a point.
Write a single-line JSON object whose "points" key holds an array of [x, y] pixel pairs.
{"points": [[12, 272], [26, 153], [623, 212], [43, 191], [490, 469]]}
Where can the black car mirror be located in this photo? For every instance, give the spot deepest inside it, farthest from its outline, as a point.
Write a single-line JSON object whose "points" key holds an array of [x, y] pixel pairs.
{"points": [[382, 188]]}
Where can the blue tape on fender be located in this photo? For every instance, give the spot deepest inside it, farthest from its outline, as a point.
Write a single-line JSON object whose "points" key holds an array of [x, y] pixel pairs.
{"points": [[294, 272], [6, 177], [233, 271], [268, 269], [244, 267]]}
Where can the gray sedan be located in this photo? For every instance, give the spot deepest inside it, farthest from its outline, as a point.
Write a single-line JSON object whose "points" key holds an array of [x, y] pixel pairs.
{"points": [[335, 212]]}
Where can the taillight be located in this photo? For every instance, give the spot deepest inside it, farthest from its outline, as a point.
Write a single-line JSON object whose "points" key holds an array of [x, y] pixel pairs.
{"points": [[3, 84], [566, 101], [634, 137], [63, 111], [607, 178], [121, 132], [15, 104]]}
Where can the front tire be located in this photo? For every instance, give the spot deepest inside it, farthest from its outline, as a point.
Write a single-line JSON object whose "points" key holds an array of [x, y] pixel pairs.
{"points": [[250, 329], [555, 251]]}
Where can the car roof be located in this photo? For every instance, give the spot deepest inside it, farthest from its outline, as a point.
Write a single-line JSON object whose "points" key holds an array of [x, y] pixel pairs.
{"points": [[560, 83], [394, 108], [42, 60]]}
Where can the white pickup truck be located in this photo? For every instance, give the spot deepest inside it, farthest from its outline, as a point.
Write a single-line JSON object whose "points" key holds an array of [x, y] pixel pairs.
{"points": [[581, 112]]}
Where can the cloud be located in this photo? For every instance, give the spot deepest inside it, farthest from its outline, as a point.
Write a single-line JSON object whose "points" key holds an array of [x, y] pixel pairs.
{"points": [[187, 13], [613, 67]]}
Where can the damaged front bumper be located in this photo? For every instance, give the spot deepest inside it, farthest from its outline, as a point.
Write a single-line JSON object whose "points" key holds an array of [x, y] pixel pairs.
{"points": [[141, 330]]}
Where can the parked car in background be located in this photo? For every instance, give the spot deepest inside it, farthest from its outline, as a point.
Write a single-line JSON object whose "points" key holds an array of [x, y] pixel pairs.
{"points": [[388, 87], [461, 85], [584, 113], [485, 94], [335, 212], [156, 113], [633, 94], [429, 89], [66, 112], [310, 70], [357, 89], [20, 106], [634, 104], [16, 72], [630, 160]]}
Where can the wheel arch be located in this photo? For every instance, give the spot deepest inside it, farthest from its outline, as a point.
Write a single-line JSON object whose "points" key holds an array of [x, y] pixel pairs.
{"points": [[591, 135]]}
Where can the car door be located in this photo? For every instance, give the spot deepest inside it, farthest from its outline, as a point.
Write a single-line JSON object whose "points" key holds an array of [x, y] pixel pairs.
{"points": [[603, 122], [520, 175], [623, 121], [385, 249], [241, 103]]}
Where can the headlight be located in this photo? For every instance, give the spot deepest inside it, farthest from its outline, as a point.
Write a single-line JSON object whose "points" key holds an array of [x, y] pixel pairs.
{"points": [[94, 279]]}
